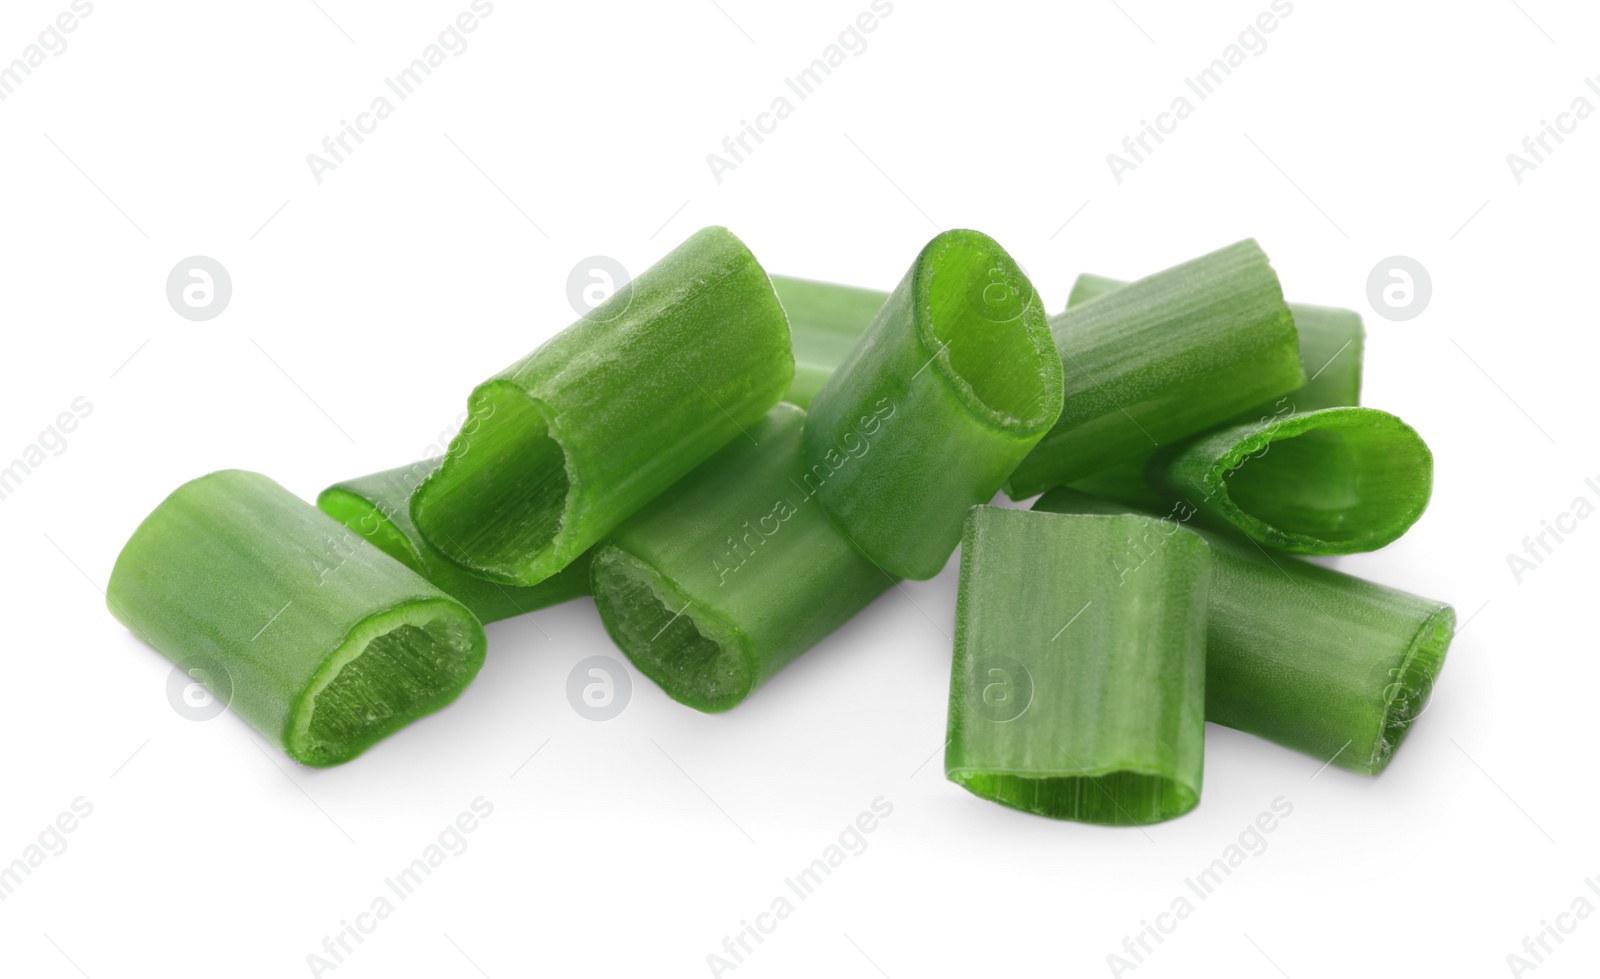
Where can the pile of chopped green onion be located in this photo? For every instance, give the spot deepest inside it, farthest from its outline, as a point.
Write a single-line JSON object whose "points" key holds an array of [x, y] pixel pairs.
{"points": [[734, 465]]}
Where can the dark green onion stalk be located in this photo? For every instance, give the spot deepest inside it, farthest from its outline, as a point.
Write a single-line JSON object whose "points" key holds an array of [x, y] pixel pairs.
{"points": [[1335, 481], [1304, 656], [378, 507], [733, 573], [825, 321], [1163, 358], [568, 442], [322, 643], [1078, 688], [950, 386]]}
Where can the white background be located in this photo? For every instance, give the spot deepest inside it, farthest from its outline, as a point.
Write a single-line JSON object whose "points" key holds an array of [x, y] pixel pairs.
{"points": [[365, 308]]}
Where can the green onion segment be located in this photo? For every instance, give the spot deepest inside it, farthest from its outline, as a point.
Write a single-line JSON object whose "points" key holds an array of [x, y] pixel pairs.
{"points": [[1163, 358], [825, 321], [946, 391], [568, 442], [378, 507], [322, 643], [1330, 339], [1304, 656], [1335, 481], [1079, 682], [733, 573]]}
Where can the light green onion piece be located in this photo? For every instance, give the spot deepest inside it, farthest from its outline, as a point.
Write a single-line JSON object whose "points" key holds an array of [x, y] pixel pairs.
{"points": [[825, 321], [952, 384], [321, 642], [378, 507], [1335, 481], [732, 573], [1304, 656], [1163, 358], [1078, 687], [568, 442]]}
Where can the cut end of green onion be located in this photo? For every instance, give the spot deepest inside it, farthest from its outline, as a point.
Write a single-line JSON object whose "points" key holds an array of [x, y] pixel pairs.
{"points": [[1108, 797], [498, 502], [696, 660], [1335, 481], [986, 331], [1406, 696], [395, 667]]}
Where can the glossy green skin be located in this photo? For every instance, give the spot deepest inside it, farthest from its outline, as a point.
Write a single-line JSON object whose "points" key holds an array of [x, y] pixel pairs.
{"points": [[378, 507], [743, 548], [825, 321], [1360, 487], [637, 393], [1330, 340], [1306, 657], [899, 439], [1164, 358], [1078, 684], [234, 575]]}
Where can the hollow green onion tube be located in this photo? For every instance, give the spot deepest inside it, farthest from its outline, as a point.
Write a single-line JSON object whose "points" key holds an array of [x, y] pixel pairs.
{"points": [[378, 507], [1304, 656], [950, 386], [1164, 358], [1079, 681], [1335, 481], [733, 573], [322, 643], [1331, 342], [825, 321], [568, 442]]}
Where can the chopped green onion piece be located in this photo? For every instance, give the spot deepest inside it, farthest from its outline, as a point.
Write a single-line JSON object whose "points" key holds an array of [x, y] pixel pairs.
{"points": [[1331, 341], [733, 573], [1335, 481], [1304, 656], [1078, 687], [825, 321], [568, 442], [1164, 358], [323, 644], [952, 384], [378, 507]]}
